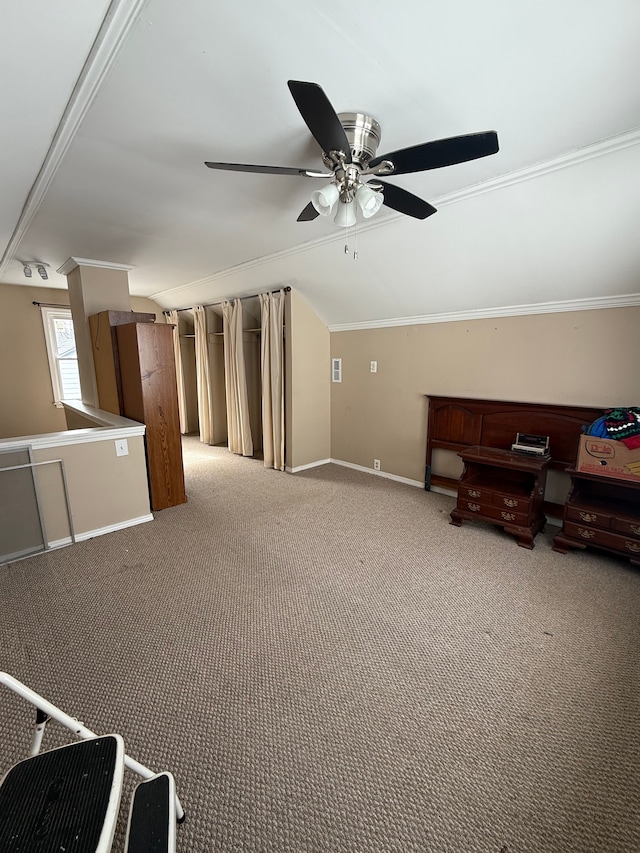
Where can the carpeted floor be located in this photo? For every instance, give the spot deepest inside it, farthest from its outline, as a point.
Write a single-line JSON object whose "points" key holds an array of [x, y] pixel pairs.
{"points": [[326, 665]]}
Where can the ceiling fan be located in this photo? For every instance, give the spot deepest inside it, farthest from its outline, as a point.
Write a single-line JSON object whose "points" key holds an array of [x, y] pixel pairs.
{"points": [[349, 142]]}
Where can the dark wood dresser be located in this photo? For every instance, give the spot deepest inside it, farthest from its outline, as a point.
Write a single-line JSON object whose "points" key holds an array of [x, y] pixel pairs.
{"points": [[503, 488], [601, 512]]}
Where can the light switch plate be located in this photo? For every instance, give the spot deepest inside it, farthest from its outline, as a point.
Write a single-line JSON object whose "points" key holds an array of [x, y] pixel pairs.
{"points": [[122, 447]]}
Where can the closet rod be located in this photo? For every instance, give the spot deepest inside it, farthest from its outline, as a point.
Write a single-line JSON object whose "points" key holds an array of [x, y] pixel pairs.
{"points": [[247, 296], [222, 333]]}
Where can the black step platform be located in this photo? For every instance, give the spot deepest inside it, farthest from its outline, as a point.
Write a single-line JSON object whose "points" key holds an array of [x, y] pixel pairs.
{"points": [[152, 821], [65, 799]]}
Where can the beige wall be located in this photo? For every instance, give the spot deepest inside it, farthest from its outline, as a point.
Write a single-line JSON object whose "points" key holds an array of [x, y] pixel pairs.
{"points": [[105, 490], [25, 385], [307, 387], [585, 358], [147, 306]]}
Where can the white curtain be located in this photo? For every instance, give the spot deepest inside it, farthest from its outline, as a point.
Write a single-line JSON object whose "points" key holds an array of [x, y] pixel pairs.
{"points": [[172, 317], [272, 371], [203, 382], [238, 427]]}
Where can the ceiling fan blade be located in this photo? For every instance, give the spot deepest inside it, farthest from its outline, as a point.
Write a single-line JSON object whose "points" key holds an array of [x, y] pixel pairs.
{"points": [[405, 202], [267, 170], [308, 214], [440, 152], [320, 117]]}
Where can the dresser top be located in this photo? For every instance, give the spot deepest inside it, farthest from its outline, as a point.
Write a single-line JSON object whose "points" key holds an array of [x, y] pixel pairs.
{"points": [[505, 458]]}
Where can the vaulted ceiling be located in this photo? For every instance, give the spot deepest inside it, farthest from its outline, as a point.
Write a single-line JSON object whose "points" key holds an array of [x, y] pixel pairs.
{"points": [[110, 111]]}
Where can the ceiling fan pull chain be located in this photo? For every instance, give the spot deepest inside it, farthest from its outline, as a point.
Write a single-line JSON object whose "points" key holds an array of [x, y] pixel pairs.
{"points": [[355, 240]]}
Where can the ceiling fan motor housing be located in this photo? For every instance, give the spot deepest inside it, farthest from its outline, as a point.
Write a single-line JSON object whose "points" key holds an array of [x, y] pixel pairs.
{"points": [[363, 133]]}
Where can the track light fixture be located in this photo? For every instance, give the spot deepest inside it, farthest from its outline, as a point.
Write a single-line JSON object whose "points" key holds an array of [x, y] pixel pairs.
{"points": [[39, 265]]}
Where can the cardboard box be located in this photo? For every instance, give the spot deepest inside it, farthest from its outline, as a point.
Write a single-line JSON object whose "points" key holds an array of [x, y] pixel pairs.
{"points": [[608, 457]]}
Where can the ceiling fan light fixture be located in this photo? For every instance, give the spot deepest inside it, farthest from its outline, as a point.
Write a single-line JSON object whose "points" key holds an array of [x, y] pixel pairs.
{"points": [[345, 214], [324, 200], [369, 201]]}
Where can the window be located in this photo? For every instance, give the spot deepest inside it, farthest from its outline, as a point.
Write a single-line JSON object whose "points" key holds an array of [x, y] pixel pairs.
{"points": [[61, 349]]}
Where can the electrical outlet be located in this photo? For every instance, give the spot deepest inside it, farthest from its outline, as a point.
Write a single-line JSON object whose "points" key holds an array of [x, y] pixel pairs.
{"points": [[122, 448], [376, 464], [373, 366]]}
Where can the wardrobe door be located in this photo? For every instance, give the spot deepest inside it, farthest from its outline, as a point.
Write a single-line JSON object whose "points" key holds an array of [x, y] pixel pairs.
{"points": [[150, 395]]}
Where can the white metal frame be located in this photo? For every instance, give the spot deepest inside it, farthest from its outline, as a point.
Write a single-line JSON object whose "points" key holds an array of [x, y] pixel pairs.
{"points": [[32, 466], [79, 730]]}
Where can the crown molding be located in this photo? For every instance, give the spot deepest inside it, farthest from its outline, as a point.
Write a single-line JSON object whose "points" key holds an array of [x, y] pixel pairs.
{"points": [[117, 23], [597, 303], [564, 161], [71, 263]]}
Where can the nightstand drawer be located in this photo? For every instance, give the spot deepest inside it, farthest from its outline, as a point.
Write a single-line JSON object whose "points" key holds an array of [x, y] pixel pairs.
{"points": [[508, 516], [469, 504], [588, 516], [627, 527], [504, 516], [593, 536], [510, 503], [474, 494]]}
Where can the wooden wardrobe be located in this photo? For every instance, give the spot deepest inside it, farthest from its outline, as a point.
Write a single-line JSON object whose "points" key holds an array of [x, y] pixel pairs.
{"points": [[150, 395], [136, 377]]}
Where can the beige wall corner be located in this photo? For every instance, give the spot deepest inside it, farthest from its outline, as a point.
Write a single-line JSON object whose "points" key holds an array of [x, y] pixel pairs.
{"points": [[307, 390], [583, 358], [143, 305], [25, 382]]}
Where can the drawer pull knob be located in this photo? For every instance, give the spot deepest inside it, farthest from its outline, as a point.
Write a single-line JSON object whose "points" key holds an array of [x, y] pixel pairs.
{"points": [[635, 528], [474, 507], [508, 516], [588, 516], [633, 546], [509, 502], [586, 534], [473, 493]]}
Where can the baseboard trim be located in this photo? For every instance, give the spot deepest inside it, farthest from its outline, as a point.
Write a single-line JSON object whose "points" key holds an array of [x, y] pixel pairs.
{"points": [[80, 537], [100, 531], [383, 474], [451, 493], [442, 491], [309, 465]]}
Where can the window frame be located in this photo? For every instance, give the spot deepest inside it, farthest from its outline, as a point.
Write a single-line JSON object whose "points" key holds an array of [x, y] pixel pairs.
{"points": [[49, 314]]}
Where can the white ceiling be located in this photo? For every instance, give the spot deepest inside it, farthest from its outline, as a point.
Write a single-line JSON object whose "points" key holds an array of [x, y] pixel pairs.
{"points": [[551, 218]]}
